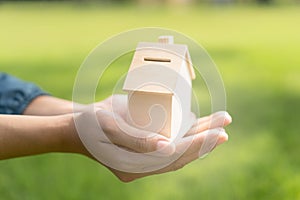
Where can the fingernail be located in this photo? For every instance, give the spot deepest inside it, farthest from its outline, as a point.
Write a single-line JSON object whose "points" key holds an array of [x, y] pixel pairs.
{"points": [[162, 144], [223, 137], [227, 116], [166, 148]]}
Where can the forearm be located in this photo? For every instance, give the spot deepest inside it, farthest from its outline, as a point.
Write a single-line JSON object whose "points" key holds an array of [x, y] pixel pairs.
{"points": [[48, 105], [21, 97], [29, 135]]}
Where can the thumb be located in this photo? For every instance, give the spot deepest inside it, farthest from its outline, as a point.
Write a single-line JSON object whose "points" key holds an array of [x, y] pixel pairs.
{"points": [[122, 134]]}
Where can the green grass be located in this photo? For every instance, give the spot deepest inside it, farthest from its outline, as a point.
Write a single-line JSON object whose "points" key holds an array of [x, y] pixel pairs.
{"points": [[257, 52]]}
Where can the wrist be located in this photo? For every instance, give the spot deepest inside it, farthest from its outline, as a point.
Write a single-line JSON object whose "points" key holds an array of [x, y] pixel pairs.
{"points": [[70, 140]]}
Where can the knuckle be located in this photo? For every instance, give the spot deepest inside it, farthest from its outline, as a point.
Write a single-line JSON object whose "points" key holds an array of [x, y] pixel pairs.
{"points": [[109, 126], [142, 144]]}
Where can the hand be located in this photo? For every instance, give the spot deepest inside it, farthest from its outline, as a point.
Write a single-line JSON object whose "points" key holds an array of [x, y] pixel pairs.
{"points": [[131, 153]]}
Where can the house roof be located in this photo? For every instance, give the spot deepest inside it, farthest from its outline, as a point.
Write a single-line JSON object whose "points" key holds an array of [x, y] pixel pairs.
{"points": [[160, 64]]}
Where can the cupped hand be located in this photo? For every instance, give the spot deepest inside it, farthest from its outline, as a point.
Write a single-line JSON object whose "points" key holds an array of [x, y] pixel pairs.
{"points": [[131, 153]]}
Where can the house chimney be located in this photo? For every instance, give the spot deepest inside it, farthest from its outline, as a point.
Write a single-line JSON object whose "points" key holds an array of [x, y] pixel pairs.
{"points": [[166, 39]]}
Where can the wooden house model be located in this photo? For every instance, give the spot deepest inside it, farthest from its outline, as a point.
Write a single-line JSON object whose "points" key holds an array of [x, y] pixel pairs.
{"points": [[159, 86]]}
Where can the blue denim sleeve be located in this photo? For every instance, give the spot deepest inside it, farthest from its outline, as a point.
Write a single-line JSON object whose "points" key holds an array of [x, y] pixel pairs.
{"points": [[15, 94]]}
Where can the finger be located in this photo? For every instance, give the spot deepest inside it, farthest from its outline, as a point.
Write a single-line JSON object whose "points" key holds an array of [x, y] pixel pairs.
{"points": [[144, 164], [215, 120], [189, 156], [179, 164], [127, 161], [192, 154], [122, 134], [202, 142], [214, 115]]}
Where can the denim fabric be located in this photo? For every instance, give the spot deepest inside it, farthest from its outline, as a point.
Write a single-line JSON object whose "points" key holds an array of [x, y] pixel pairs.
{"points": [[15, 94]]}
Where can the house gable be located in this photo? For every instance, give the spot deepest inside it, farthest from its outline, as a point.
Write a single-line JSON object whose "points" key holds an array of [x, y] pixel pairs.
{"points": [[152, 62]]}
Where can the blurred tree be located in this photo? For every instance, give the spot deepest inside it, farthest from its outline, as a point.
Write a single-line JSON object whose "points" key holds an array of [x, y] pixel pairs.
{"points": [[264, 1], [171, 2], [179, 1]]}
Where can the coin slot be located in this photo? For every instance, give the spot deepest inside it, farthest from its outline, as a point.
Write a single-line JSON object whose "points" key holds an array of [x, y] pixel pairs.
{"points": [[157, 59]]}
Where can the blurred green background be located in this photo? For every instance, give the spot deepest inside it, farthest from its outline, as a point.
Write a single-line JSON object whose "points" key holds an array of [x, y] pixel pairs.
{"points": [[256, 48]]}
